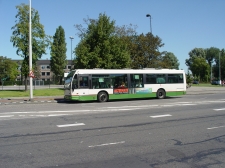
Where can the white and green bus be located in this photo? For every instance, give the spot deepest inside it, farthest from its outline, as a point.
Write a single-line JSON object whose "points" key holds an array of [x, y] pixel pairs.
{"points": [[110, 84]]}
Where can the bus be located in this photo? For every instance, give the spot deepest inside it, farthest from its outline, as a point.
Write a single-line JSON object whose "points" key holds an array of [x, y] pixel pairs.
{"points": [[111, 84]]}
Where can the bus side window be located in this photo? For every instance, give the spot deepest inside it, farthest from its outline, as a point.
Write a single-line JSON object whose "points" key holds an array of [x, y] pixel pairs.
{"points": [[83, 82]]}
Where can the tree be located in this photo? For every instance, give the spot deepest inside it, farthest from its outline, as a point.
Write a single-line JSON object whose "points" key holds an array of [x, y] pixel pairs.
{"points": [[58, 53], [200, 68], [189, 78], [145, 51], [222, 65], [210, 54], [100, 47], [20, 37], [8, 69], [170, 61], [193, 54]]}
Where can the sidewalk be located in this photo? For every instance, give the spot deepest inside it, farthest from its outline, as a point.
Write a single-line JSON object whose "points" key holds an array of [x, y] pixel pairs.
{"points": [[60, 99], [205, 90], [39, 99]]}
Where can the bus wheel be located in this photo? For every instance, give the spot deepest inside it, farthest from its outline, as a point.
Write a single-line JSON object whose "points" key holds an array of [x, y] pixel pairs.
{"points": [[161, 94], [102, 97]]}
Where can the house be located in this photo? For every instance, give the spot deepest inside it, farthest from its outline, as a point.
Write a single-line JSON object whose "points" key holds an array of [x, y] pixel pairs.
{"points": [[44, 72]]}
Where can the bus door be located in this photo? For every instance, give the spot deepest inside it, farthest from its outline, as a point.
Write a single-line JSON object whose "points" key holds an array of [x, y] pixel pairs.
{"points": [[136, 83], [83, 84]]}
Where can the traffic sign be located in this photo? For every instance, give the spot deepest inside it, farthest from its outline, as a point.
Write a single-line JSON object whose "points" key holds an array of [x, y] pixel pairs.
{"points": [[31, 74]]}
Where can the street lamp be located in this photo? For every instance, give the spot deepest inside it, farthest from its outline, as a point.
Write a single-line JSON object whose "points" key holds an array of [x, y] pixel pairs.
{"points": [[71, 51], [148, 15], [219, 70], [30, 53]]}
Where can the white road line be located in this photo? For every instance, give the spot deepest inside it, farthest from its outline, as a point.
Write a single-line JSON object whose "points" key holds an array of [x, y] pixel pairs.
{"points": [[71, 125], [216, 127], [167, 105], [157, 116], [187, 104], [119, 107], [184, 102], [52, 115], [7, 116], [106, 144], [219, 109]]}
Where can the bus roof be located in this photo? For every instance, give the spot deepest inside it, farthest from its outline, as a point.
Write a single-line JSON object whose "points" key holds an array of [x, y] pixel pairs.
{"points": [[126, 71]]}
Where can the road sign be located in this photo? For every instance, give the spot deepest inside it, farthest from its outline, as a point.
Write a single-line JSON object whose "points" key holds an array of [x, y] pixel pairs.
{"points": [[31, 74]]}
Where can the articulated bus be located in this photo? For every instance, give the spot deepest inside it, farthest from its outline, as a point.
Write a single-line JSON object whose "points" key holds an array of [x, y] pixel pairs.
{"points": [[110, 84]]}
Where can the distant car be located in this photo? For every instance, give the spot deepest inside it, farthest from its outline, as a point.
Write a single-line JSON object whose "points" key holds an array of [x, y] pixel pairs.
{"points": [[195, 82], [215, 82]]}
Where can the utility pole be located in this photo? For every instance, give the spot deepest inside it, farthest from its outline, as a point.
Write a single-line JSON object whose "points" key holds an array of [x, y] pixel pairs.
{"points": [[30, 55]]}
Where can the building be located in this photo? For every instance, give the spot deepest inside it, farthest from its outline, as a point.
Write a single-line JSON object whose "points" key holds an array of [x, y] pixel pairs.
{"points": [[44, 72]]}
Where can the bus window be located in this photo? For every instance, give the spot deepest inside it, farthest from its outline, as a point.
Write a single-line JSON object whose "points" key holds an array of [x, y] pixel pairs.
{"points": [[83, 82], [119, 80], [74, 83], [175, 78], [150, 78], [161, 78], [101, 81], [137, 80]]}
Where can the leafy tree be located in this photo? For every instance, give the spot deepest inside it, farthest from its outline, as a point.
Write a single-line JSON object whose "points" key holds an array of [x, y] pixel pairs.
{"points": [[170, 61], [222, 65], [145, 51], [20, 37], [8, 69], [193, 54], [189, 78], [200, 68], [100, 47], [58, 53], [210, 54]]}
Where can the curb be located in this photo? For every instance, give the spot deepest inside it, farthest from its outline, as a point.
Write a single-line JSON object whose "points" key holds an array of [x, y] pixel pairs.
{"points": [[21, 101]]}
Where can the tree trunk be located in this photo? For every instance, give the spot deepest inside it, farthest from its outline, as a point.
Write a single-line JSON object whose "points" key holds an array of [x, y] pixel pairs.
{"points": [[25, 83]]}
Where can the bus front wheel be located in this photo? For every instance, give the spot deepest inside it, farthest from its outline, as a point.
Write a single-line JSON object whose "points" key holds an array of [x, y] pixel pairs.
{"points": [[102, 97], [161, 94]]}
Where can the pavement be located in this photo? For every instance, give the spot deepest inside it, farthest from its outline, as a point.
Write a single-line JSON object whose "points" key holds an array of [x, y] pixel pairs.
{"points": [[59, 99], [24, 100]]}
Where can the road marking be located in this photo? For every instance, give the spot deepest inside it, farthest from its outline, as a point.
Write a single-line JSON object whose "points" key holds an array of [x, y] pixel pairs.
{"points": [[53, 115], [219, 109], [167, 105], [184, 102], [106, 144], [7, 116], [119, 107], [216, 127], [71, 125], [187, 104], [157, 116]]}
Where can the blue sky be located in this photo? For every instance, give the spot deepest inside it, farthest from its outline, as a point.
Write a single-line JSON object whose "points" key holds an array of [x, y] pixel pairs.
{"points": [[181, 24]]}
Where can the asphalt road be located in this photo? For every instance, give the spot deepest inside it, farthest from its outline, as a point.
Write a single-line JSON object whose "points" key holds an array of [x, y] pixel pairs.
{"points": [[185, 132]]}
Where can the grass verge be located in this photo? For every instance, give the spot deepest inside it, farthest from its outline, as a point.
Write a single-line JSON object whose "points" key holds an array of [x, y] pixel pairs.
{"points": [[38, 92]]}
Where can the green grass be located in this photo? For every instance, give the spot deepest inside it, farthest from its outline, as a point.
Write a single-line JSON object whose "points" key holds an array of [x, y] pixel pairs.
{"points": [[205, 85], [38, 92]]}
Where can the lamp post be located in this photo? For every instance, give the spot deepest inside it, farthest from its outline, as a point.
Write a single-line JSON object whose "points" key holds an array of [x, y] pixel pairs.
{"points": [[30, 54], [71, 51], [148, 15], [219, 70]]}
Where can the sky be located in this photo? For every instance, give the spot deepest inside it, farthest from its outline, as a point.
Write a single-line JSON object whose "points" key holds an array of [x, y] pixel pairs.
{"points": [[181, 24]]}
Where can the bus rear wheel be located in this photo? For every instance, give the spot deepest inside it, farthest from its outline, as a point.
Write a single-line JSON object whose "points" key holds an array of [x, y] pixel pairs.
{"points": [[102, 97], [161, 94]]}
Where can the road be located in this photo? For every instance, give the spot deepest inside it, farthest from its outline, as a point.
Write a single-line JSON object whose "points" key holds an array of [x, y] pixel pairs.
{"points": [[185, 132]]}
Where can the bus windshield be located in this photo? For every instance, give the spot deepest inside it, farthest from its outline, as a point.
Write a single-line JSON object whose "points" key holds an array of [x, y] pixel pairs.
{"points": [[68, 79]]}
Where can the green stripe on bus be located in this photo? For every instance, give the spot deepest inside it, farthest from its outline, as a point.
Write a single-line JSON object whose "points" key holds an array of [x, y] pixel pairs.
{"points": [[122, 96]]}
